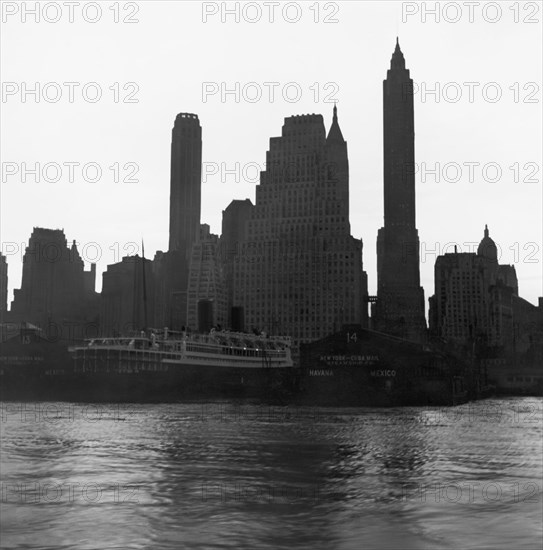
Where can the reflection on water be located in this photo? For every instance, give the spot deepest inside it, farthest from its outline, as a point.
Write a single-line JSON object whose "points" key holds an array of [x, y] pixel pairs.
{"points": [[234, 475]]}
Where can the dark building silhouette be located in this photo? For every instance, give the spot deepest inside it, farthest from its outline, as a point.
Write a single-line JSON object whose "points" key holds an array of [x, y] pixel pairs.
{"points": [[476, 307], [400, 298], [127, 300], [171, 269], [3, 284], [528, 332], [185, 183], [298, 270], [170, 279], [55, 288], [206, 282], [234, 228], [473, 298]]}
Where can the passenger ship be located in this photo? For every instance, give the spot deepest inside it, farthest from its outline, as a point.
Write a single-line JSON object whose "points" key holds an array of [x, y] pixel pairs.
{"points": [[163, 365]]}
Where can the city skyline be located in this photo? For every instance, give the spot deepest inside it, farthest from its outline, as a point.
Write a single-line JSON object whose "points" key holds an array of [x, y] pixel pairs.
{"points": [[275, 274], [239, 132]]}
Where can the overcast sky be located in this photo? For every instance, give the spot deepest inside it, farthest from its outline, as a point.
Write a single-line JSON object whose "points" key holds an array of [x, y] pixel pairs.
{"points": [[152, 69]]}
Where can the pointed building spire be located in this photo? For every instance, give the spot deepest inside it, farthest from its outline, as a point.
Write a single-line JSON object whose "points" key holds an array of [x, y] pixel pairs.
{"points": [[74, 253], [335, 132], [486, 230], [397, 61]]}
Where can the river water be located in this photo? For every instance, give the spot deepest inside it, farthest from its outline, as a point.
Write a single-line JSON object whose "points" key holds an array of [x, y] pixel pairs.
{"points": [[239, 475]]}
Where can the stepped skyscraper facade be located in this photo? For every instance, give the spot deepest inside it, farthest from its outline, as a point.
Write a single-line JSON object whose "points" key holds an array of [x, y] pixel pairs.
{"points": [[400, 298], [299, 270]]}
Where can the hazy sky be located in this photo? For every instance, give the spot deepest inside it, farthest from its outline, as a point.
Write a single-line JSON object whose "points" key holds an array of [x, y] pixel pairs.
{"points": [[482, 129]]}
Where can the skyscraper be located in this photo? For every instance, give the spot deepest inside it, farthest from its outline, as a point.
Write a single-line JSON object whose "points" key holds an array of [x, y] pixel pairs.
{"points": [[474, 297], [234, 227], [185, 183], [171, 269], [3, 284], [127, 299], [206, 280], [400, 298], [55, 288], [299, 271]]}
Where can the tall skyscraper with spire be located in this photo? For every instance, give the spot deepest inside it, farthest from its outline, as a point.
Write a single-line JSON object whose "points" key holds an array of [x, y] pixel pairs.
{"points": [[299, 270], [400, 298], [185, 183]]}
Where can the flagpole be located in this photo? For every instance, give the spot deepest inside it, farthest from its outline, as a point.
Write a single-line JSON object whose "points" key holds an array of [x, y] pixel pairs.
{"points": [[144, 286]]}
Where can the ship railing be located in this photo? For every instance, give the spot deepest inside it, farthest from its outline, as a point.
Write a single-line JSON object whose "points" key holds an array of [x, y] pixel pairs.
{"points": [[250, 336], [117, 342], [253, 338], [166, 334], [218, 340], [238, 340], [225, 349]]}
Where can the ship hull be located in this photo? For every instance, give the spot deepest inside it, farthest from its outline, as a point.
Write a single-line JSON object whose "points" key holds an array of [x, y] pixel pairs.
{"points": [[146, 369], [110, 380], [208, 382]]}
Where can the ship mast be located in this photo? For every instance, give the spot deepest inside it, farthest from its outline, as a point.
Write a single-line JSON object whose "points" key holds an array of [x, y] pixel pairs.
{"points": [[145, 324]]}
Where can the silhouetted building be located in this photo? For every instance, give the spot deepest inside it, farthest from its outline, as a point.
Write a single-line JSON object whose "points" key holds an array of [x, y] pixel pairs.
{"points": [[234, 225], [171, 269], [234, 231], [528, 332], [186, 182], [127, 301], [90, 279], [400, 298], [55, 288], [171, 272], [474, 297], [3, 284], [206, 282], [299, 271]]}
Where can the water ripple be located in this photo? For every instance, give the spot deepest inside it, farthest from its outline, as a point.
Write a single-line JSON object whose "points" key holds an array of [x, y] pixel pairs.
{"points": [[239, 475]]}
